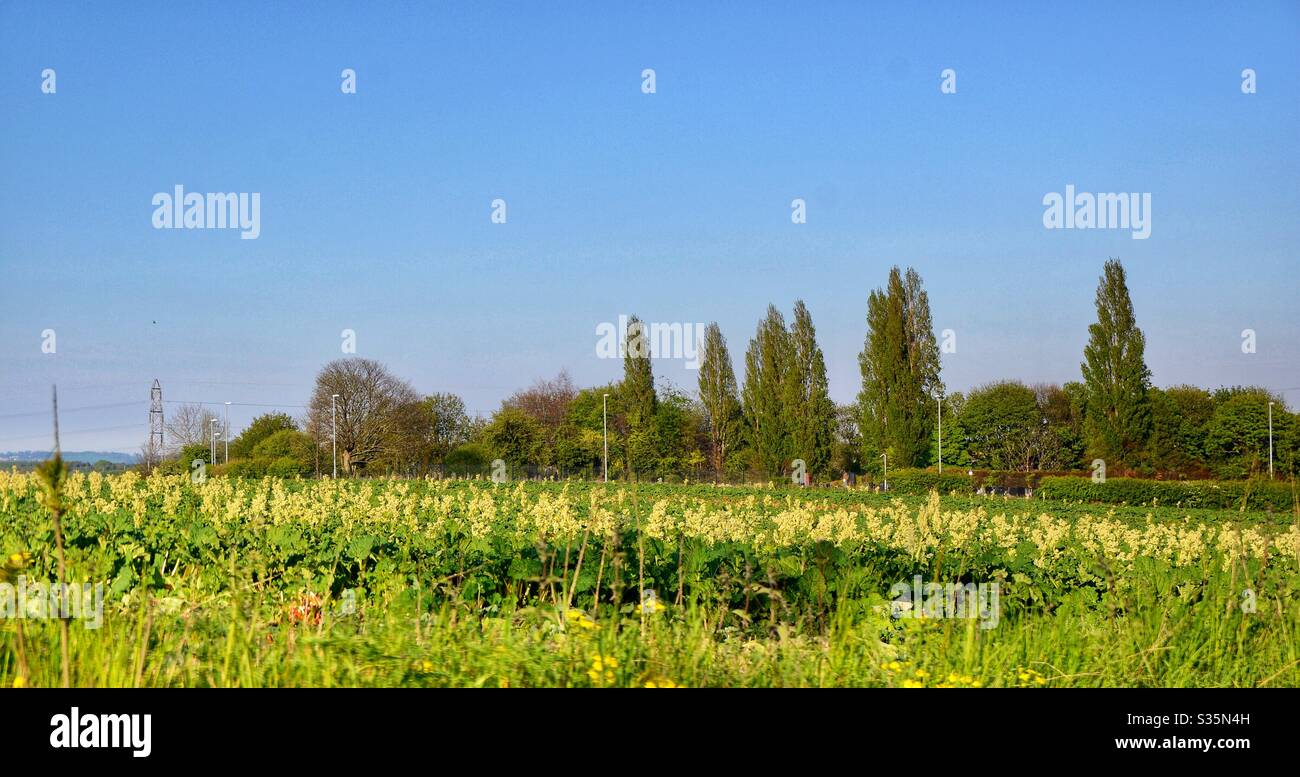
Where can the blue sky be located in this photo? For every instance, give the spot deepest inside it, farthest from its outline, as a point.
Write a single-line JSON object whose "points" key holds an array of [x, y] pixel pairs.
{"points": [[375, 207]]}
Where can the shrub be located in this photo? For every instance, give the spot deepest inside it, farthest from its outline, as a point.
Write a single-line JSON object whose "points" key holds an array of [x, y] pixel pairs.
{"points": [[246, 468], [287, 442], [468, 459], [1222, 494], [287, 467], [923, 481]]}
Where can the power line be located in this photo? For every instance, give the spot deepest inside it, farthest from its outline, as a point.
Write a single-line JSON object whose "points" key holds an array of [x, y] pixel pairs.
{"points": [[233, 404], [73, 409], [75, 431], [236, 383]]}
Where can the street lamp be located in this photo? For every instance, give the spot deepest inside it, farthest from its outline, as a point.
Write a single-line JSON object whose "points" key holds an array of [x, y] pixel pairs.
{"points": [[1270, 440], [334, 434], [604, 424], [212, 449], [225, 433], [885, 456]]}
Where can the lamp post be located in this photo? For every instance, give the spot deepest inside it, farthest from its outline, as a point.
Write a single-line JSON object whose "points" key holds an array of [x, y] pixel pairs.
{"points": [[225, 432], [334, 434], [212, 448], [604, 424], [885, 456], [1270, 440]]}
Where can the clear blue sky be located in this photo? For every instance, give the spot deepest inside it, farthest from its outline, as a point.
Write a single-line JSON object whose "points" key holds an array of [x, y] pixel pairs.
{"points": [[674, 206]]}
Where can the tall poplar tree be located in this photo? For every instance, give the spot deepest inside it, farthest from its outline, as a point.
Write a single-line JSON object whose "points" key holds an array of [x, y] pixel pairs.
{"points": [[637, 399], [719, 397], [809, 409], [900, 373], [638, 388], [1117, 416], [766, 361]]}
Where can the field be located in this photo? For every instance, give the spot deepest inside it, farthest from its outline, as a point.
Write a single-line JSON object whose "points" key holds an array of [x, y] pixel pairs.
{"points": [[470, 583]]}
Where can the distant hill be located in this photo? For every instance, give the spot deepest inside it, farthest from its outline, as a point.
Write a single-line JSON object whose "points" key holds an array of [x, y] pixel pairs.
{"points": [[89, 457]]}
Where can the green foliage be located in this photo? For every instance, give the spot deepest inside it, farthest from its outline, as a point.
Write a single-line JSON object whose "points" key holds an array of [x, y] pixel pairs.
{"points": [[515, 437], [468, 459], [997, 426], [675, 438], [1179, 417], [288, 467], [636, 394], [585, 435], [900, 373], [244, 468], [289, 443], [261, 428], [767, 424], [585, 411], [917, 482], [719, 397], [576, 450], [196, 451], [808, 406], [846, 451], [1236, 436], [446, 425], [1217, 494]]}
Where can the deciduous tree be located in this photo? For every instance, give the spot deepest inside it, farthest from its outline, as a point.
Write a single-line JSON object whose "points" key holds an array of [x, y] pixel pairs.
{"points": [[371, 408]]}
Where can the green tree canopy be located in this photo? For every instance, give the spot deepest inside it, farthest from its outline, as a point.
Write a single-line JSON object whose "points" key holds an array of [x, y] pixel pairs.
{"points": [[262, 427], [286, 443], [1236, 438], [515, 437], [996, 424], [1180, 416], [897, 405], [445, 425]]}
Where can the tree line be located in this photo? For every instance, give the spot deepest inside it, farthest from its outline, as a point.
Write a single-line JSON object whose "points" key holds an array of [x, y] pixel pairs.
{"points": [[780, 420]]}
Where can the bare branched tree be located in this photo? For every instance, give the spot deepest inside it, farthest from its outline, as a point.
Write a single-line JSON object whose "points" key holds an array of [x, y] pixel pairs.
{"points": [[373, 409], [189, 425], [150, 455], [547, 401]]}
